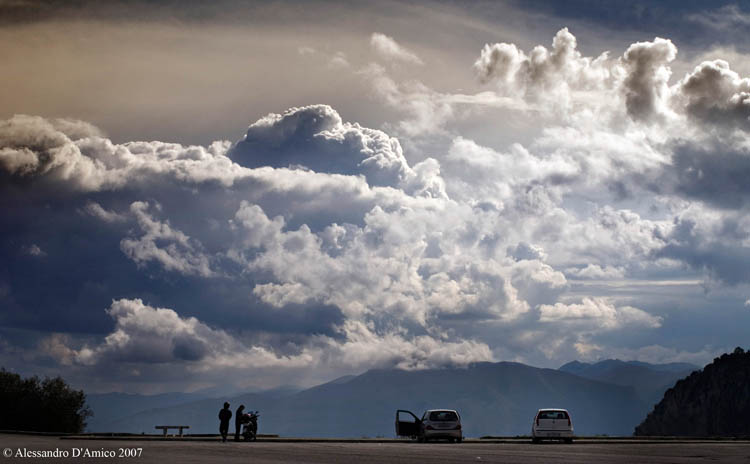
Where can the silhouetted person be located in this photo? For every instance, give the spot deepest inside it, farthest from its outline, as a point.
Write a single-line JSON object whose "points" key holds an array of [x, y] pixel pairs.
{"points": [[224, 416], [238, 416]]}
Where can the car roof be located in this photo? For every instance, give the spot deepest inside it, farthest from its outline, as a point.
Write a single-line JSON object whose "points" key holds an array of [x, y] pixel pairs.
{"points": [[553, 409], [441, 410]]}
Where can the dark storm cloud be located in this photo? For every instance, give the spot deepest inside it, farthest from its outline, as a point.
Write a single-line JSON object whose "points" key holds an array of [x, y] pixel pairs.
{"points": [[716, 174], [86, 267], [13, 12], [721, 254], [107, 244], [684, 21]]}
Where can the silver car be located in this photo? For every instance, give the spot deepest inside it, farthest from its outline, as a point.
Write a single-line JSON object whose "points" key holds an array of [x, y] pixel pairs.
{"points": [[434, 424]]}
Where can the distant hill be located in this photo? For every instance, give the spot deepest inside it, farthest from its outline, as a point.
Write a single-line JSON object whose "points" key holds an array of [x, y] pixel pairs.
{"points": [[492, 398], [650, 381], [711, 402], [112, 406]]}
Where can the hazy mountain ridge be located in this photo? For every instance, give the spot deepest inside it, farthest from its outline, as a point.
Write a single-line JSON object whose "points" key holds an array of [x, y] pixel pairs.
{"points": [[113, 406], [492, 398], [711, 402], [650, 381]]}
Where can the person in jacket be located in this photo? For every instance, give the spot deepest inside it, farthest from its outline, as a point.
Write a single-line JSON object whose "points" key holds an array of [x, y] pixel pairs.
{"points": [[224, 416], [238, 416]]}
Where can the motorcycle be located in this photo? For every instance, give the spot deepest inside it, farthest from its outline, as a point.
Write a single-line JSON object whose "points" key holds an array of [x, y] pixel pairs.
{"points": [[250, 425]]}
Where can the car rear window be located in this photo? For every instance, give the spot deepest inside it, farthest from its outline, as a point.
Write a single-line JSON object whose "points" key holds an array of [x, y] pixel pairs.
{"points": [[553, 415], [443, 416]]}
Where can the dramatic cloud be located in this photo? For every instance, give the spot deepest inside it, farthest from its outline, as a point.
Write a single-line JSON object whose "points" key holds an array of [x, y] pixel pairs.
{"points": [[545, 75], [716, 95], [553, 206], [159, 335], [147, 335], [646, 82], [314, 137]]}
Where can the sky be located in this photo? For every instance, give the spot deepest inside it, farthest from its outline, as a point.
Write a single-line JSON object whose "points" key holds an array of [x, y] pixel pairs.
{"points": [[249, 195]]}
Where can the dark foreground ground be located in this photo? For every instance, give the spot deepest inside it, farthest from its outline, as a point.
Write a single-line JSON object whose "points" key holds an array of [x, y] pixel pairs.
{"points": [[208, 450]]}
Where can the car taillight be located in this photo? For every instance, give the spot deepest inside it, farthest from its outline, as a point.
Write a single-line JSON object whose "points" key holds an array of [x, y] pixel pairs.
{"points": [[458, 427], [537, 421], [569, 422], [429, 427]]}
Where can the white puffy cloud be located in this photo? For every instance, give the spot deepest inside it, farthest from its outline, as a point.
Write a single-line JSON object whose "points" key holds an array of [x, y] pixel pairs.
{"points": [[177, 251], [390, 49], [57, 346], [598, 313], [95, 209], [364, 347], [553, 77], [384, 267], [526, 251], [572, 86], [716, 95], [37, 146], [147, 335], [315, 137], [144, 334], [338, 61], [648, 73], [596, 272]]}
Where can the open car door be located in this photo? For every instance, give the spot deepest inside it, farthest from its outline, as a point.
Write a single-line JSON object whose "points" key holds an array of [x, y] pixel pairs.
{"points": [[407, 424]]}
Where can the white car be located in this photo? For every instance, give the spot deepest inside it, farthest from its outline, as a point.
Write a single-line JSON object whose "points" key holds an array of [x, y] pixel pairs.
{"points": [[554, 424], [435, 423]]}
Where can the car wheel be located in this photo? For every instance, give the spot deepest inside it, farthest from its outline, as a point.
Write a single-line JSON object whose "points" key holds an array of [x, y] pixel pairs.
{"points": [[535, 440], [420, 439], [459, 439], [568, 440]]}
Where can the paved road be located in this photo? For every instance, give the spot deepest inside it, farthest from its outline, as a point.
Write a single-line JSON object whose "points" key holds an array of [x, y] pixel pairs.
{"points": [[189, 451]]}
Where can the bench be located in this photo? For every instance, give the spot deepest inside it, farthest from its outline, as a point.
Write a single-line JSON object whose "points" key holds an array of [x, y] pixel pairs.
{"points": [[167, 427]]}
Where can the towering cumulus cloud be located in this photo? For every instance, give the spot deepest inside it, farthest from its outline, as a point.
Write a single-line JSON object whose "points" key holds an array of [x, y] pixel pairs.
{"points": [[314, 137], [313, 247]]}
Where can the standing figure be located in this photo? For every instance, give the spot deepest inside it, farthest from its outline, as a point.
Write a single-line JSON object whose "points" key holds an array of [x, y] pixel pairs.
{"points": [[224, 416], [238, 416]]}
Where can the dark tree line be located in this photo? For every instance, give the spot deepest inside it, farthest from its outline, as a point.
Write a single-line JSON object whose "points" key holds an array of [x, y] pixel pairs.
{"points": [[48, 405]]}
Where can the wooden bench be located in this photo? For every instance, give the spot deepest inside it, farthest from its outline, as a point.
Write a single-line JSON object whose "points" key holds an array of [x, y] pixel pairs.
{"points": [[167, 427]]}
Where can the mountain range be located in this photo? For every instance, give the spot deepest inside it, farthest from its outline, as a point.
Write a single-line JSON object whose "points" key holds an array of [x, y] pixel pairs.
{"points": [[650, 381], [610, 397]]}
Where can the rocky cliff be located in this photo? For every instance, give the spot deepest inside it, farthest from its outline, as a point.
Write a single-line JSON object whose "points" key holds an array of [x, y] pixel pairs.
{"points": [[711, 402]]}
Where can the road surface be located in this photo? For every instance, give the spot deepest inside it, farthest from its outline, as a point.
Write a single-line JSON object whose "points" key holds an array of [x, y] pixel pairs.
{"points": [[193, 451]]}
